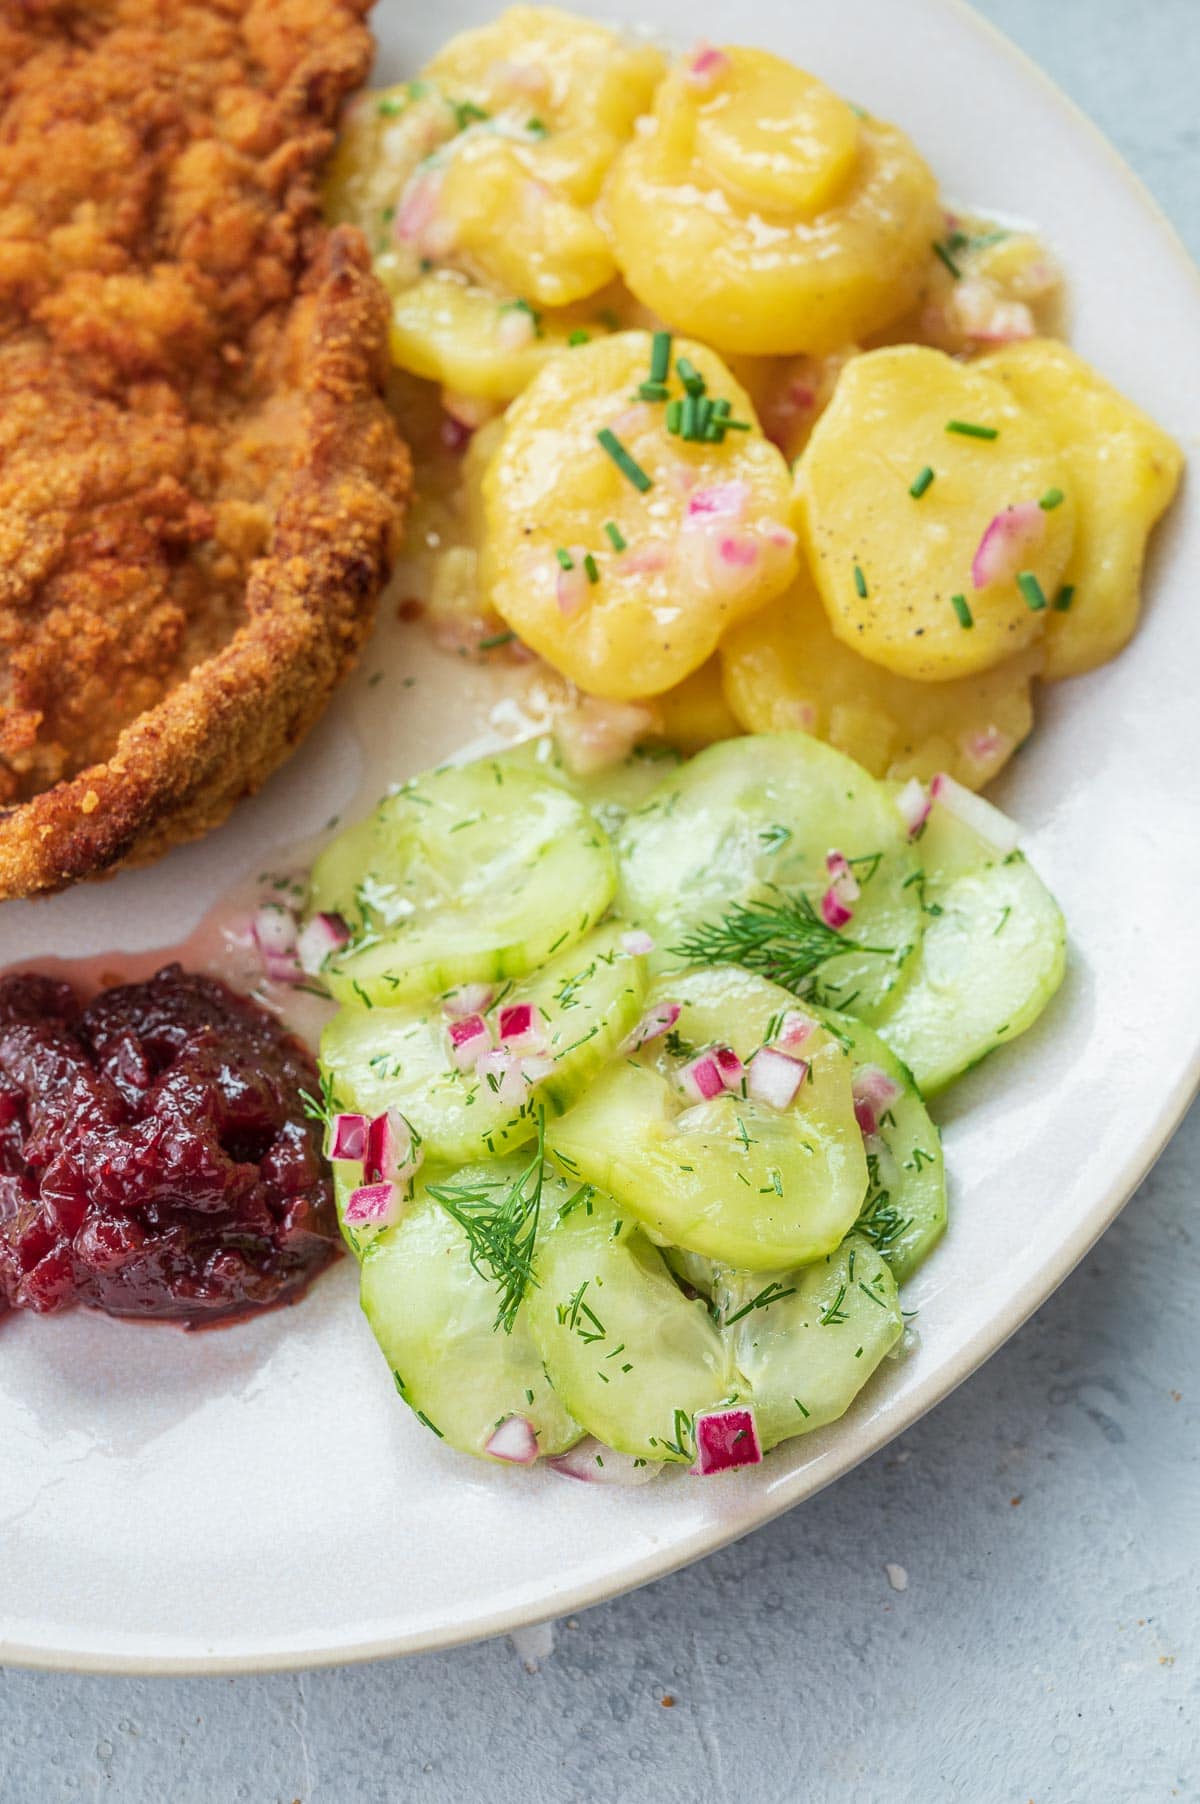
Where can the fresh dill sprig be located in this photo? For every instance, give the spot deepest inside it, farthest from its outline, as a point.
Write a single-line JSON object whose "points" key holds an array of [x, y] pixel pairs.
{"points": [[782, 938], [774, 1293], [501, 1228]]}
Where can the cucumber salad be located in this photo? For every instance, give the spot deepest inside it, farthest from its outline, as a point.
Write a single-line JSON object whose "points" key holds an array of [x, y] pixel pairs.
{"points": [[626, 1094]]}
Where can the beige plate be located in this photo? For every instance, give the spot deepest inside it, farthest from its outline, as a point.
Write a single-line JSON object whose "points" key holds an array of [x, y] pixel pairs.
{"points": [[257, 1498]]}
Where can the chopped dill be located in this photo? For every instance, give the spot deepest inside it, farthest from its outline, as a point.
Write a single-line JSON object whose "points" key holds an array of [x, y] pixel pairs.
{"points": [[501, 1229]]}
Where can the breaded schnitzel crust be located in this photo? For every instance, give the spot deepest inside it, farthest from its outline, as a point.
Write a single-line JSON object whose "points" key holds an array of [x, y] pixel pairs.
{"points": [[200, 485]]}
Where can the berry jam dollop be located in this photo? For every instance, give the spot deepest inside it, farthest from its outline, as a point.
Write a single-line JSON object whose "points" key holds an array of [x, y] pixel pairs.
{"points": [[155, 1155]]}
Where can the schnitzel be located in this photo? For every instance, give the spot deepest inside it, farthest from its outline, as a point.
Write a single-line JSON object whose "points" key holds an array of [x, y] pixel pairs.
{"points": [[200, 485]]}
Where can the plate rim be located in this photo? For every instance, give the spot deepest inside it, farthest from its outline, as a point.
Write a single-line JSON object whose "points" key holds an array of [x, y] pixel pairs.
{"points": [[974, 1352]]}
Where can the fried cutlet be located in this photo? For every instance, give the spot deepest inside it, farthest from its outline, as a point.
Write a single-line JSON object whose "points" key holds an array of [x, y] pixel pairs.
{"points": [[200, 484]]}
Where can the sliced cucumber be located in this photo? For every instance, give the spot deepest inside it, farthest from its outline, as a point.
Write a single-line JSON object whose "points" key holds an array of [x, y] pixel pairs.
{"points": [[434, 1317], [590, 997], [613, 793], [904, 1215], [993, 954], [754, 820], [628, 1354], [470, 874], [807, 1342], [733, 1179]]}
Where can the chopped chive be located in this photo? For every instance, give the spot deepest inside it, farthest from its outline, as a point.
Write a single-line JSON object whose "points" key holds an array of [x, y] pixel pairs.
{"points": [[921, 482], [1064, 598], [652, 391], [467, 113], [722, 409], [736, 425], [687, 425], [616, 537], [591, 568], [579, 337], [967, 429], [496, 640], [565, 560], [941, 251], [1051, 499], [704, 414], [522, 306], [690, 376], [965, 616], [860, 582], [674, 413], [629, 467], [660, 357], [537, 128], [1031, 589]]}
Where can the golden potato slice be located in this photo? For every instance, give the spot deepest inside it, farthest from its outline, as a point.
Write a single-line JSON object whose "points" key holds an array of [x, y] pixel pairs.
{"points": [[582, 83], [475, 186], [1121, 471], [695, 713], [784, 669], [623, 566], [759, 212], [902, 574]]}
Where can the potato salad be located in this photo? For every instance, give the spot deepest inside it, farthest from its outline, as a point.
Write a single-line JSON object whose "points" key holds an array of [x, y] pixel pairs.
{"points": [[723, 414]]}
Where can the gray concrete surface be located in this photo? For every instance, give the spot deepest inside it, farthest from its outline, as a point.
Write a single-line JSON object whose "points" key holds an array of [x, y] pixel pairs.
{"points": [[1046, 1646]]}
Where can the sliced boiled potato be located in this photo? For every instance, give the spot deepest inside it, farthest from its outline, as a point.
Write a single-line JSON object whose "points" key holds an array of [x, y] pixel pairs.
{"points": [[1121, 471], [474, 185], [696, 713], [623, 566], [784, 668], [584, 84], [759, 211], [895, 570]]}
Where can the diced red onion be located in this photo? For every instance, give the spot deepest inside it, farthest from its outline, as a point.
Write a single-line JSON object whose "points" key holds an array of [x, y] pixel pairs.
{"points": [[346, 1138], [1005, 546], [469, 1039], [324, 935], [844, 880], [514, 1442], [738, 550], [874, 1093], [536, 1066], [502, 1071], [654, 1023], [795, 1028], [730, 1066], [468, 999], [595, 733], [775, 1077], [914, 805], [974, 812], [637, 943], [390, 1153], [726, 1439], [988, 749], [523, 1028], [706, 65], [571, 586], [592, 1463], [524, 78], [833, 912], [373, 1206], [727, 500], [644, 560], [275, 930], [516, 329], [454, 435], [635, 419], [982, 312], [780, 538], [418, 208], [700, 1079]]}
